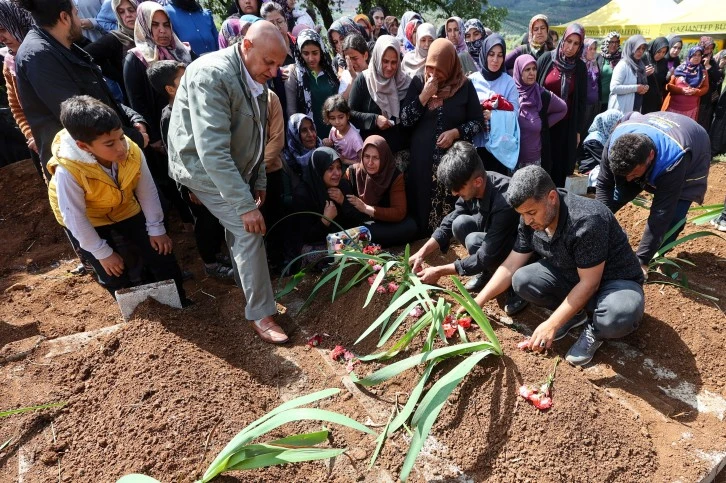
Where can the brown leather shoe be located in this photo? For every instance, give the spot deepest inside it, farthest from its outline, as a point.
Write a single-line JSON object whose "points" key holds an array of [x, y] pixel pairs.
{"points": [[269, 331]]}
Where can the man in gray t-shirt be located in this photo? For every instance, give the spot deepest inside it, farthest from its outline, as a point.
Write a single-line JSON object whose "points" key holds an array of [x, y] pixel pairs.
{"points": [[586, 265]]}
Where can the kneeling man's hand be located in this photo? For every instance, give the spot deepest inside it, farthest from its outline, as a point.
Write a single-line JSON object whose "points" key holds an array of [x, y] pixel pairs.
{"points": [[161, 244], [543, 336], [429, 275]]}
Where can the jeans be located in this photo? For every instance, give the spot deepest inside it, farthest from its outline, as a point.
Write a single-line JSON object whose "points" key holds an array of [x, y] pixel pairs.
{"points": [[617, 307], [132, 233], [249, 258], [468, 231]]}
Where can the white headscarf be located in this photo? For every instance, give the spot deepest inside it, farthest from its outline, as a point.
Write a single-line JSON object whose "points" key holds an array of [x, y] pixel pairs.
{"points": [[414, 61]]}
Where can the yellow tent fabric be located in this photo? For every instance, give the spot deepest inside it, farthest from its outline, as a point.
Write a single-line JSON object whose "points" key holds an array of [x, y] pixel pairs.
{"points": [[696, 17], [628, 17]]}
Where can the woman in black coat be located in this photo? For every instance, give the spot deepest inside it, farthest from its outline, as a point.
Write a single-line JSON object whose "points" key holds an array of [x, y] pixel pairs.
{"points": [[323, 190], [655, 56], [109, 51], [441, 107], [563, 72]]}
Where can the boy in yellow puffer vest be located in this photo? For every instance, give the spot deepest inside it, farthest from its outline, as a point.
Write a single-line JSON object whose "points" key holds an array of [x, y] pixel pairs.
{"points": [[101, 190]]}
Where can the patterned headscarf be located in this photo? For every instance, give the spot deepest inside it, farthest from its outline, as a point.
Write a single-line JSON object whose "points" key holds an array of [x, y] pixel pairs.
{"points": [[344, 26], [706, 41], [124, 34], [442, 56], [407, 17], [691, 73], [409, 42], [17, 21], [566, 65], [234, 29], [614, 57], [388, 23], [386, 93], [461, 44], [534, 46], [530, 96], [489, 43], [414, 61], [146, 50], [474, 46], [304, 97], [592, 69], [603, 124], [296, 152], [631, 45]]}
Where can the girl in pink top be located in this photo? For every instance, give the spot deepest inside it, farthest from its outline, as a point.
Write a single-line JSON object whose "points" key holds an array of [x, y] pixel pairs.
{"points": [[344, 137]]}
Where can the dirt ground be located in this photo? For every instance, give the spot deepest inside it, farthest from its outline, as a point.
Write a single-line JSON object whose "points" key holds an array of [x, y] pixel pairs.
{"points": [[164, 393]]}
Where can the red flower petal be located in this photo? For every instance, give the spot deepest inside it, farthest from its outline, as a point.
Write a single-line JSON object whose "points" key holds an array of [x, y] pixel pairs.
{"points": [[337, 352], [465, 322]]}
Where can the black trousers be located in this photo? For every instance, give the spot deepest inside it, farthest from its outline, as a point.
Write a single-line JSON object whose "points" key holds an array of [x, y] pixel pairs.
{"points": [[132, 231], [208, 232], [273, 210]]}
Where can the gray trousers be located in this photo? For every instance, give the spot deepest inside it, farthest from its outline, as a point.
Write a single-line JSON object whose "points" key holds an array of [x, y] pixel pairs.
{"points": [[617, 307], [248, 255], [467, 230]]}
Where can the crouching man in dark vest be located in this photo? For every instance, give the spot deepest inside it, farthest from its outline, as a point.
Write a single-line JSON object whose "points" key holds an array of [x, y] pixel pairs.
{"points": [[663, 153]]}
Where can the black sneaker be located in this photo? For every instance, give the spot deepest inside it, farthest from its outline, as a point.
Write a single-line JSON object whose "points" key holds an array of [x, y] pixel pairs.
{"points": [[576, 321], [220, 271], [514, 304], [477, 282]]}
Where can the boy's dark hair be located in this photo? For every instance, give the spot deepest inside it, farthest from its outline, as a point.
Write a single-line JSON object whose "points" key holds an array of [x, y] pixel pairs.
{"points": [[629, 151], [530, 182], [269, 7], [86, 118], [162, 73], [335, 103], [458, 165], [46, 13], [356, 42]]}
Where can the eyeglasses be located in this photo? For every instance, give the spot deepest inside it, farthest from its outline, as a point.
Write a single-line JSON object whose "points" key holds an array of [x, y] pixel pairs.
{"points": [[613, 42]]}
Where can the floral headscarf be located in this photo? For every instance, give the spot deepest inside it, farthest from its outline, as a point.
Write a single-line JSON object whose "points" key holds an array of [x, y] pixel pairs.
{"points": [[304, 97], [691, 73], [603, 124], [614, 57], [461, 44], [146, 50], [386, 93], [17, 21], [474, 46], [592, 69], [234, 29], [344, 26], [534, 46], [297, 153], [706, 41]]}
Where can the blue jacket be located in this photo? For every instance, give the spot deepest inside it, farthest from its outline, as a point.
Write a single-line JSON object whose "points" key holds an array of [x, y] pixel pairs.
{"points": [[197, 28]]}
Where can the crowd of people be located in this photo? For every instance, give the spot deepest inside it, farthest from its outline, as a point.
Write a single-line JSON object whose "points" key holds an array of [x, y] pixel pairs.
{"points": [[131, 109]]}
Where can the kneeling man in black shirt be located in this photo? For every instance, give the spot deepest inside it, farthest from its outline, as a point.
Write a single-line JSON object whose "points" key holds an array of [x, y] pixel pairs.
{"points": [[586, 265]]}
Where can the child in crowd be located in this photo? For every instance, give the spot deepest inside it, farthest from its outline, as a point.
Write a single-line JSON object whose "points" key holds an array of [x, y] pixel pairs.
{"points": [[164, 77], [344, 137], [101, 190]]}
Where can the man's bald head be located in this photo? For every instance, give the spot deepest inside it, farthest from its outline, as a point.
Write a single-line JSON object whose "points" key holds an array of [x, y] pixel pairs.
{"points": [[263, 50]]}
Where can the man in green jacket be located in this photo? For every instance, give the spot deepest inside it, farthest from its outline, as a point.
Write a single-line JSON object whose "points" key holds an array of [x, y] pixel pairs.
{"points": [[216, 149]]}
